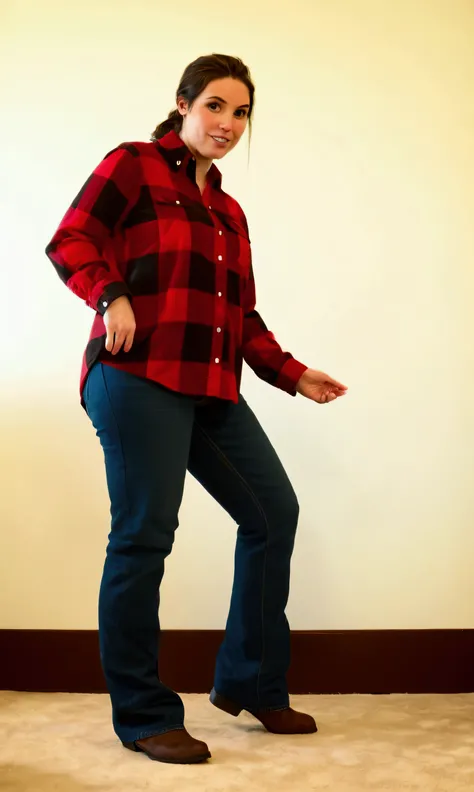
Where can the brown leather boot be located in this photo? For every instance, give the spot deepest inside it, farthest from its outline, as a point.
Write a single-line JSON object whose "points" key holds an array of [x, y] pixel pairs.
{"points": [[285, 721], [173, 747]]}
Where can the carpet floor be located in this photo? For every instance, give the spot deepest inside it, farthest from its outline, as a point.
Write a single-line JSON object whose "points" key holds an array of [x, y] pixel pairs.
{"points": [[64, 742]]}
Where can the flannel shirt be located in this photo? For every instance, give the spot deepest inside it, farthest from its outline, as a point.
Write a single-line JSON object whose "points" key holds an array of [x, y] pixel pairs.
{"points": [[140, 227]]}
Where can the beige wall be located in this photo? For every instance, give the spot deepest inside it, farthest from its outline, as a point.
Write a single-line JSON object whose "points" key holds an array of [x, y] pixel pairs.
{"points": [[360, 199]]}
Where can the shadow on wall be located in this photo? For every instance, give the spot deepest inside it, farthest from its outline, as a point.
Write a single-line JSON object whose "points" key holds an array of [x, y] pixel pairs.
{"points": [[54, 509], [50, 456]]}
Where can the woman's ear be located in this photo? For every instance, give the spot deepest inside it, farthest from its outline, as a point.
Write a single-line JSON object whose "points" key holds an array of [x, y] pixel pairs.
{"points": [[182, 105]]}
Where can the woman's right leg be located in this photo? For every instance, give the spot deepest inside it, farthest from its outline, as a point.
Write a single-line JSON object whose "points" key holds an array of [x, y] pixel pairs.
{"points": [[145, 432]]}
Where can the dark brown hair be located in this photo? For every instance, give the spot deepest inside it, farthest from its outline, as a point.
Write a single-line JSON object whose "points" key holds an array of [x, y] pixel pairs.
{"points": [[195, 80]]}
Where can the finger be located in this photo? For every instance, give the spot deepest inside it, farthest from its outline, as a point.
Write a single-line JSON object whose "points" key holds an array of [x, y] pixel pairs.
{"points": [[129, 341], [337, 384], [109, 342], [119, 339]]}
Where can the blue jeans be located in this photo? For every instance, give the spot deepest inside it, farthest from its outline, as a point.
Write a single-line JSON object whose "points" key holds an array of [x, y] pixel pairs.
{"points": [[150, 436]]}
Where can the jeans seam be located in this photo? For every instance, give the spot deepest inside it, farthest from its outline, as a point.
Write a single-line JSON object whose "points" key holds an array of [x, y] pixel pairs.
{"points": [[231, 467], [119, 439]]}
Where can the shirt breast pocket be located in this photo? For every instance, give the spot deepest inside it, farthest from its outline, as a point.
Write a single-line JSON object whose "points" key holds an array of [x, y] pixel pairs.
{"points": [[176, 216], [240, 257]]}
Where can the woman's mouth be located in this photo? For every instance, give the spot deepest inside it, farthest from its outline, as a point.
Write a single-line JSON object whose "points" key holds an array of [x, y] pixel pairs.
{"points": [[221, 141]]}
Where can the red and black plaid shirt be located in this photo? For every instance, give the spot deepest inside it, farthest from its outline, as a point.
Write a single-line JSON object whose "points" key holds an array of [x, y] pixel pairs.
{"points": [[140, 227]]}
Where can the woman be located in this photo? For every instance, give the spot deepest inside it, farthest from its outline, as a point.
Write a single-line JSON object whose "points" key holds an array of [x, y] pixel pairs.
{"points": [[162, 254]]}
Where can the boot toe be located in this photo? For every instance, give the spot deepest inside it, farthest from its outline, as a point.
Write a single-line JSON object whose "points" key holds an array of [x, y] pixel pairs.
{"points": [[174, 747]]}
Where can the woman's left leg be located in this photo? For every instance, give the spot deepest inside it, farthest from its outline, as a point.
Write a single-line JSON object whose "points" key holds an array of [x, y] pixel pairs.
{"points": [[232, 457]]}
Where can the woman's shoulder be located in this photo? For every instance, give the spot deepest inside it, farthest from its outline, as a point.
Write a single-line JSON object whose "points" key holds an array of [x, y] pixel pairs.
{"points": [[136, 148], [136, 159]]}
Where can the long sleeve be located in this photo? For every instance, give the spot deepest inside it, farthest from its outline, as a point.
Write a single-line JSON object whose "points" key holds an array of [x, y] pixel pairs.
{"points": [[77, 248], [262, 352]]}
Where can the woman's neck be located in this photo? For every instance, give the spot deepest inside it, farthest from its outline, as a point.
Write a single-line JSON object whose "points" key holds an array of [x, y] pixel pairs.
{"points": [[202, 164], [202, 168]]}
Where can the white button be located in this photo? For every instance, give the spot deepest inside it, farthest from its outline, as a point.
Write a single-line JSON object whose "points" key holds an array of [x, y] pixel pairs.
{"points": [[105, 304], [178, 162], [210, 207], [217, 360], [220, 258], [219, 294], [219, 329], [178, 202], [220, 233]]}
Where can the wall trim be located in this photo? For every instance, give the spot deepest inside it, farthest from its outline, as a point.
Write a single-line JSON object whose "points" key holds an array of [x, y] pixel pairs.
{"points": [[352, 661]]}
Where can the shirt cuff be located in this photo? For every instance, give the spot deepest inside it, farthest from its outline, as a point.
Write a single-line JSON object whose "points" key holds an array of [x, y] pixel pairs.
{"points": [[289, 376], [112, 292]]}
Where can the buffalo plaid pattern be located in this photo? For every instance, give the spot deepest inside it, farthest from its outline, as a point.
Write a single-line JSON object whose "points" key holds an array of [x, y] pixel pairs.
{"points": [[140, 227]]}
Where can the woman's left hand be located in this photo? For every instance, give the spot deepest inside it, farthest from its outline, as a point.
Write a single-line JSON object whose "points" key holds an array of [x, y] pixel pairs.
{"points": [[319, 387]]}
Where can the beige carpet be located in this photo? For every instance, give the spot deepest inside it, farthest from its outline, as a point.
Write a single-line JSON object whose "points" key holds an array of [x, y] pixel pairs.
{"points": [[60, 742]]}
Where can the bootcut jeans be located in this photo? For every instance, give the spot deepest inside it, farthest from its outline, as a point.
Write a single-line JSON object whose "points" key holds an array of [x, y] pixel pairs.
{"points": [[151, 437]]}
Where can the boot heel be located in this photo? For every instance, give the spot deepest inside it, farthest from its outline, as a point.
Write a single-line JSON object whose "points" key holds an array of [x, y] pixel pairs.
{"points": [[224, 704]]}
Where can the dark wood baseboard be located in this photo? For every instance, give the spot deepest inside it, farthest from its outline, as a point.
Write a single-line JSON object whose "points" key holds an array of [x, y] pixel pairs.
{"points": [[354, 661]]}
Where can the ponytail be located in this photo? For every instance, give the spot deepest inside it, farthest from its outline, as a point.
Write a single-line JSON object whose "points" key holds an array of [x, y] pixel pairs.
{"points": [[174, 121]]}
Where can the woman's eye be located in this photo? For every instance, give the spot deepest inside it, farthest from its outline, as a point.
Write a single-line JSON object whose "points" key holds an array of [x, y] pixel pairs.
{"points": [[213, 106], [240, 113]]}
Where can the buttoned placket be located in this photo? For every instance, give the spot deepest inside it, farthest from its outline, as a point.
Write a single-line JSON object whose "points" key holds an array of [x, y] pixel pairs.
{"points": [[221, 277]]}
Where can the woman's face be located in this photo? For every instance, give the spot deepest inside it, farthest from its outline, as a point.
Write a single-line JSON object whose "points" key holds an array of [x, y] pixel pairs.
{"points": [[217, 120]]}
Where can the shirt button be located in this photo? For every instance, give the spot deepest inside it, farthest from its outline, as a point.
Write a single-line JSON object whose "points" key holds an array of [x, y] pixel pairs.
{"points": [[220, 233], [219, 329], [219, 294], [217, 360], [178, 162], [210, 207], [105, 304], [178, 202], [219, 258]]}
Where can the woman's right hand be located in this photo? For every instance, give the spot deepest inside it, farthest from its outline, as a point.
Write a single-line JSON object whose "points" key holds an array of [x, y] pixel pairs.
{"points": [[119, 321]]}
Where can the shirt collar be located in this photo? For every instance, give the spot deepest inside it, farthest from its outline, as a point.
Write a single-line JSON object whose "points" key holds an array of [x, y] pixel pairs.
{"points": [[178, 157]]}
